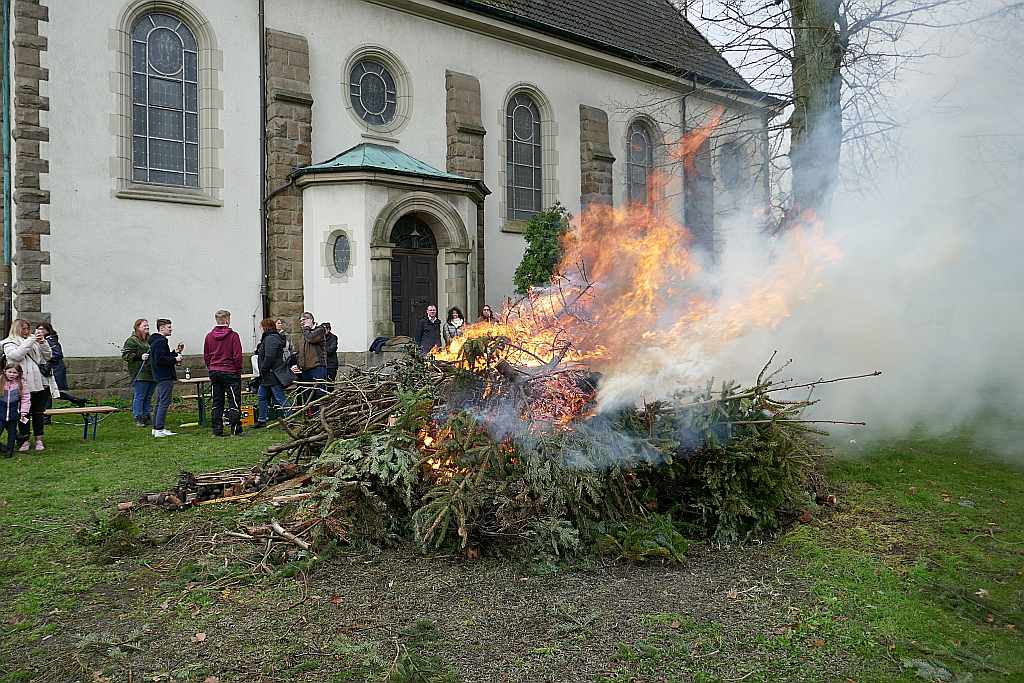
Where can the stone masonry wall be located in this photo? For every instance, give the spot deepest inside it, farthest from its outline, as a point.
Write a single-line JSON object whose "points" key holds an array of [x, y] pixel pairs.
{"points": [[29, 227], [465, 137], [596, 158], [289, 138]]}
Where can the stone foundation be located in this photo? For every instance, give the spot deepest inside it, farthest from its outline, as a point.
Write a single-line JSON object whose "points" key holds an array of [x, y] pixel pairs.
{"points": [[105, 377]]}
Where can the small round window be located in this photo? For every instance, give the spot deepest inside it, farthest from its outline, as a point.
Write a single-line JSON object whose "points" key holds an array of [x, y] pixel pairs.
{"points": [[342, 252], [373, 92]]}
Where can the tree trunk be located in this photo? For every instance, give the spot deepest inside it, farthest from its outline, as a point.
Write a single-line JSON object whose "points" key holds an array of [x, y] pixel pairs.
{"points": [[816, 123]]}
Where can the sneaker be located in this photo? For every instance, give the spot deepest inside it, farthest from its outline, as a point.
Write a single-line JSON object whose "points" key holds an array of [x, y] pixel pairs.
{"points": [[24, 447], [158, 433], [259, 425], [139, 422], [39, 445]]}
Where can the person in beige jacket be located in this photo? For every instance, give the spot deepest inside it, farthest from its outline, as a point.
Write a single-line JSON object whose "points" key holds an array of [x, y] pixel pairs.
{"points": [[33, 354]]}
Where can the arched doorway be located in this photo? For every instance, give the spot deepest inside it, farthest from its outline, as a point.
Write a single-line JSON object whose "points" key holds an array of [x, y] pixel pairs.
{"points": [[413, 272]]}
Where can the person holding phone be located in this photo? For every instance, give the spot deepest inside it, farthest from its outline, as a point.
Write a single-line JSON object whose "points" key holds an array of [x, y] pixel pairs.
{"points": [[164, 364], [33, 354]]}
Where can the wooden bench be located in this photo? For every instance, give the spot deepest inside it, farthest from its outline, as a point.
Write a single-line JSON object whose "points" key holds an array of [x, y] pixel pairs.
{"points": [[91, 415]]}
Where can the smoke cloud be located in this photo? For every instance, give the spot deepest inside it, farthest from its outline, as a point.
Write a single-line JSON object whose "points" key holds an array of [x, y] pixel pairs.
{"points": [[929, 288]]}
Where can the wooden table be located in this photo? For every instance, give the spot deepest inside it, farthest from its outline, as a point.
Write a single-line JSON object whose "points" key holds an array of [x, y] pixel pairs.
{"points": [[201, 383], [91, 415]]}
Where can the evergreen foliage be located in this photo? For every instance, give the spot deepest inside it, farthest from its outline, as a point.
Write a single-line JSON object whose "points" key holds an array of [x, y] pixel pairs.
{"points": [[543, 248]]}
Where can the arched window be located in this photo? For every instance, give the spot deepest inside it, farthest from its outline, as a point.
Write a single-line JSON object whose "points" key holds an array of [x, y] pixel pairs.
{"points": [[639, 162], [524, 177], [165, 101]]}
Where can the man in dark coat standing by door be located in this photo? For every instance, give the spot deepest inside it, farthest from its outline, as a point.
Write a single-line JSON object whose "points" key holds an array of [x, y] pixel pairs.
{"points": [[222, 352], [428, 331]]}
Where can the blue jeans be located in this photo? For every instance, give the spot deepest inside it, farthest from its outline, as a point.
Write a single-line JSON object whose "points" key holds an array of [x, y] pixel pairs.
{"points": [[313, 375], [141, 407], [263, 394], [163, 402]]}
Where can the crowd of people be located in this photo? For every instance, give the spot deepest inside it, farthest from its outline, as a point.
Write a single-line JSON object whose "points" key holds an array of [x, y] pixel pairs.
{"points": [[432, 333], [153, 367], [35, 374]]}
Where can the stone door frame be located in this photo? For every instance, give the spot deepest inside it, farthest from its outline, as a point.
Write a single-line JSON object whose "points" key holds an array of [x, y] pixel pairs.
{"points": [[453, 243]]}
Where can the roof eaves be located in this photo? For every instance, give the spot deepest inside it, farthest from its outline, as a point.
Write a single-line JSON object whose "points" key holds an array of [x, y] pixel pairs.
{"points": [[629, 55]]}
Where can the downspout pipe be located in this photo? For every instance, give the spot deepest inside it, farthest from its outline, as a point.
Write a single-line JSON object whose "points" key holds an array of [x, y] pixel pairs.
{"points": [[264, 199], [6, 59]]}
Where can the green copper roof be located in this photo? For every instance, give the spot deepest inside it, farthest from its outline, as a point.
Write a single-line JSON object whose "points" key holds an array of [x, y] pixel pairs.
{"points": [[371, 157]]}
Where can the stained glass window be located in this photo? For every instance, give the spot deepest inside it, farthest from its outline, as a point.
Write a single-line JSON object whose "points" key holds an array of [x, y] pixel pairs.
{"points": [[342, 253], [165, 102], [639, 163], [524, 179], [373, 92]]}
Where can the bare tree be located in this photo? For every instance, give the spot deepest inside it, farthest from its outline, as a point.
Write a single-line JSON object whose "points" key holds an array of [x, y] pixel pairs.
{"points": [[832, 64]]}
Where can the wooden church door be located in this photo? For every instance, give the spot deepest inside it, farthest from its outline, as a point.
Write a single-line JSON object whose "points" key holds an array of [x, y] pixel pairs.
{"points": [[413, 273]]}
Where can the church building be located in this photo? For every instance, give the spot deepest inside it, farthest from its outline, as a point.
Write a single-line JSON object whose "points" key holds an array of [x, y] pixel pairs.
{"points": [[359, 159]]}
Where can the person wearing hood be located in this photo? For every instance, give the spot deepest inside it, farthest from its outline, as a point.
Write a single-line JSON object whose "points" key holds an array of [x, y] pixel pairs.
{"points": [[222, 352], [272, 363]]}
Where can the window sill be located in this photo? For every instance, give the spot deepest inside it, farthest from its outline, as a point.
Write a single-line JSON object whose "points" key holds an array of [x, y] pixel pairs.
{"points": [[167, 194], [514, 226]]}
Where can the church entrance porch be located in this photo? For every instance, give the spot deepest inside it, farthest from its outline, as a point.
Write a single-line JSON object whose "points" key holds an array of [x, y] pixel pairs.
{"points": [[413, 273], [404, 230]]}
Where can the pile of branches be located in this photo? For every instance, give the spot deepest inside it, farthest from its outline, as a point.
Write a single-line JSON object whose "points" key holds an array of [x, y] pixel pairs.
{"points": [[419, 450]]}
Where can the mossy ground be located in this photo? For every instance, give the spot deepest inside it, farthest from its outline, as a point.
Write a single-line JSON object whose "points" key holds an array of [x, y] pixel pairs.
{"points": [[919, 571]]}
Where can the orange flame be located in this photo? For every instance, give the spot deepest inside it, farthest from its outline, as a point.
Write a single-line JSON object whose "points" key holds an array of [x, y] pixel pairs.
{"points": [[629, 281]]}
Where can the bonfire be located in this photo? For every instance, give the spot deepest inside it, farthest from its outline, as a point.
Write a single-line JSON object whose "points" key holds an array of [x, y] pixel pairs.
{"points": [[529, 434]]}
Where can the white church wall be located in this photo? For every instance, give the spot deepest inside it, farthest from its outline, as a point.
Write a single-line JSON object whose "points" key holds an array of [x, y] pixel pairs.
{"points": [[336, 28], [343, 301], [114, 260]]}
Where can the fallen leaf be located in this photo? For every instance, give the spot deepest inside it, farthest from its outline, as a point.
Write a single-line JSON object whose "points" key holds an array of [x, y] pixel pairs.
{"points": [[1011, 627], [165, 604], [989, 618], [913, 490], [126, 505], [817, 642], [199, 637], [732, 595], [336, 600], [981, 593], [946, 498], [675, 624], [472, 554], [805, 518], [211, 679], [98, 677]]}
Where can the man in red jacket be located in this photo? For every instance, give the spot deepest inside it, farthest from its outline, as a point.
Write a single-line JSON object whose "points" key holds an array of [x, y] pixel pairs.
{"points": [[222, 352]]}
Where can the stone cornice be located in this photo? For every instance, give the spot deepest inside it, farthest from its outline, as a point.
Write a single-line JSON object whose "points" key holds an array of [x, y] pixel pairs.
{"points": [[475, 189]]}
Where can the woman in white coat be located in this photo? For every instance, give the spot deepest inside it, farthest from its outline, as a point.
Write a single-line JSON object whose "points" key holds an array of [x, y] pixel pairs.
{"points": [[33, 353]]}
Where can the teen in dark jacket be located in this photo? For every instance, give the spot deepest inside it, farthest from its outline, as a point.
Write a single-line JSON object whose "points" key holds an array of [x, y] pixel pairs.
{"points": [[163, 362], [222, 353], [331, 349], [275, 373], [60, 371]]}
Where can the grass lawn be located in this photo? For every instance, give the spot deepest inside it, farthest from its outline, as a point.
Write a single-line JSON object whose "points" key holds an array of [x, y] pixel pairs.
{"points": [[917, 575]]}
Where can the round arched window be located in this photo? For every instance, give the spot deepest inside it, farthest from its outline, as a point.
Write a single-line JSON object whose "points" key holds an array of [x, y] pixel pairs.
{"points": [[373, 92], [342, 253]]}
